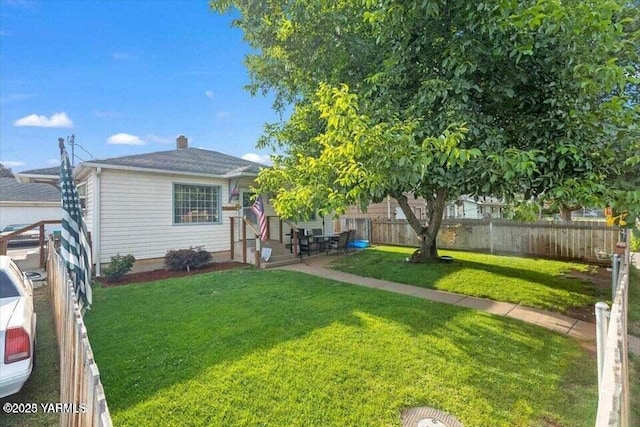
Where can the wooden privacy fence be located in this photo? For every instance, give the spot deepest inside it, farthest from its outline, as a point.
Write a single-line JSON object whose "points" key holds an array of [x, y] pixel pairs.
{"points": [[584, 241], [613, 379], [81, 391]]}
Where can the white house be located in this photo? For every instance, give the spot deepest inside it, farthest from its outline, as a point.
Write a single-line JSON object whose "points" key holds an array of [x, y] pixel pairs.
{"points": [[148, 204], [28, 203], [466, 207]]}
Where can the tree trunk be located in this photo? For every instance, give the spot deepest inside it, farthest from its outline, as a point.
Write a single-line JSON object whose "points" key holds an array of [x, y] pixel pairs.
{"points": [[427, 235], [565, 211]]}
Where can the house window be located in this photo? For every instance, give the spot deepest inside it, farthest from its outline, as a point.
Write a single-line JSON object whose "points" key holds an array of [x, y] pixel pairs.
{"points": [[196, 204], [82, 195]]}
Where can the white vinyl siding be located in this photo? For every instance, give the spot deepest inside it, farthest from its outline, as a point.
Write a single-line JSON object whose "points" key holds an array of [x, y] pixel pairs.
{"points": [[30, 213], [137, 216]]}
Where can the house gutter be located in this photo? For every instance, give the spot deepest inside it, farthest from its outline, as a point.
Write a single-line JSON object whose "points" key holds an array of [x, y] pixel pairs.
{"points": [[29, 177], [96, 220], [160, 171]]}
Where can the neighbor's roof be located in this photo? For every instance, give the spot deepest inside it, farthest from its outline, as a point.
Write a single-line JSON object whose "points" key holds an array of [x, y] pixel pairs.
{"points": [[14, 191], [188, 160], [54, 171], [47, 175]]}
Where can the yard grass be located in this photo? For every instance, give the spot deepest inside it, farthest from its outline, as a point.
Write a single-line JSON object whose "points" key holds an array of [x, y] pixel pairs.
{"points": [[634, 301], [43, 386], [634, 329], [280, 348], [528, 281]]}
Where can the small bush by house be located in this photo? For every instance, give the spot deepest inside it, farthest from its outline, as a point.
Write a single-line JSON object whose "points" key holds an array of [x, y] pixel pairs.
{"points": [[186, 259], [119, 266]]}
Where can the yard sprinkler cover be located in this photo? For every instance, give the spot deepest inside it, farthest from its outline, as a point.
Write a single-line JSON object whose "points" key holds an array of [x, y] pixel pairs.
{"points": [[428, 417]]}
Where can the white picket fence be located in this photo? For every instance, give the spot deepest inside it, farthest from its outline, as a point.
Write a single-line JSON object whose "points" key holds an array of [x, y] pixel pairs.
{"points": [[80, 388], [613, 354]]}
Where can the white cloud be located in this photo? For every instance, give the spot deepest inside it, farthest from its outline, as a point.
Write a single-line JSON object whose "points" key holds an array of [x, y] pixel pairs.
{"points": [[53, 162], [58, 120], [12, 164], [209, 93], [125, 139], [264, 159], [223, 115]]}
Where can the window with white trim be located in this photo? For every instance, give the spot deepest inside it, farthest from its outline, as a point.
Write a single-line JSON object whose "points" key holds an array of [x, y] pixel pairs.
{"points": [[82, 195], [196, 204]]}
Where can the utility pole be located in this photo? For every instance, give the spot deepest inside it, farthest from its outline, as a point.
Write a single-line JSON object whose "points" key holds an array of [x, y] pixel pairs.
{"points": [[72, 142]]}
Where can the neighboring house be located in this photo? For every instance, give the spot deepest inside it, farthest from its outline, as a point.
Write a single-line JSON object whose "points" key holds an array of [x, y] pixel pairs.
{"points": [[46, 175], [464, 207], [148, 204], [28, 203], [387, 209], [467, 207]]}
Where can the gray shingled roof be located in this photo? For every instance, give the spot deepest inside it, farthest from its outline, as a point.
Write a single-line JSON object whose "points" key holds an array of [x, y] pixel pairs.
{"points": [[46, 171], [14, 191], [188, 160]]}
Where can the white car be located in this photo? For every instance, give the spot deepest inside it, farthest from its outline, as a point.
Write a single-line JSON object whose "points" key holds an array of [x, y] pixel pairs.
{"points": [[17, 327]]}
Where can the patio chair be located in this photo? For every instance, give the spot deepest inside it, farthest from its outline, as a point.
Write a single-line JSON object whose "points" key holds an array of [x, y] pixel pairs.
{"points": [[305, 243], [340, 243]]}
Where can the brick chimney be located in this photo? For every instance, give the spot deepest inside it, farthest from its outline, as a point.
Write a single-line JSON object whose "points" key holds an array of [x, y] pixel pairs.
{"points": [[182, 142]]}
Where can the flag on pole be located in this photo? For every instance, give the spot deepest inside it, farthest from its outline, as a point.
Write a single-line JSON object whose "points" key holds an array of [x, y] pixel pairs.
{"points": [[258, 209], [74, 245]]}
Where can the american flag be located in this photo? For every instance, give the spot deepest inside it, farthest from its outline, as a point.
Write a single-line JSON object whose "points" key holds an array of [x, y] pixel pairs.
{"points": [[258, 208], [74, 245]]}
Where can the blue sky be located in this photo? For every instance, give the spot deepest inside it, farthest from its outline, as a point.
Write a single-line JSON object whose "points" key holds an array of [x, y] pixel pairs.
{"points": [[124, 76]]}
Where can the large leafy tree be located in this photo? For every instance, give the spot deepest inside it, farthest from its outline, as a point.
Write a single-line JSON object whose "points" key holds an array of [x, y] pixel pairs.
{"points": [[5, 172], [440, 98]]}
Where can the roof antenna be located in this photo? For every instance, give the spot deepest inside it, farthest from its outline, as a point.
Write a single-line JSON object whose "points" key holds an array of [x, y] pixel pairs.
{"points": [[72, 141]]}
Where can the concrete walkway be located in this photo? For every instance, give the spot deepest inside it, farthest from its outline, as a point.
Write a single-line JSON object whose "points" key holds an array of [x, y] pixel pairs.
{"points": [[584, 332]]}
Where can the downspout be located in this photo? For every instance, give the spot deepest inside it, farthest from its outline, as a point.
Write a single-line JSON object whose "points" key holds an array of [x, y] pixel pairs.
{"points": [[96, 221]]}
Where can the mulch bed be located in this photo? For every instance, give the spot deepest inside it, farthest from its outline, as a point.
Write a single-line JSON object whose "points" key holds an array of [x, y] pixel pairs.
{"points": [[149, 276]]}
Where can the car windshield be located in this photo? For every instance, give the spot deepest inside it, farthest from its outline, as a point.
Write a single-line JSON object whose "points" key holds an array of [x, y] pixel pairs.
{"points": [[14, 227], [7, 288]]}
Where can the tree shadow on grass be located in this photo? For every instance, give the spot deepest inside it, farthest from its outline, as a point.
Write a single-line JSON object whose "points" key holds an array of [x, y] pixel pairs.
{"points": [[149, 338], [556, 292]]}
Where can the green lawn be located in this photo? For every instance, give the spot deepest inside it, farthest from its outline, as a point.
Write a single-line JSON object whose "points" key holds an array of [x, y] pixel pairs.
{"points": [[634, 301], [280, 348], [634, 329], [527, 281]]}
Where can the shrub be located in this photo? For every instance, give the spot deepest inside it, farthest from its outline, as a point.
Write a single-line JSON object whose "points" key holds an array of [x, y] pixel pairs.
{"points": [[186, 259], [119, 266], [635, 240]]}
